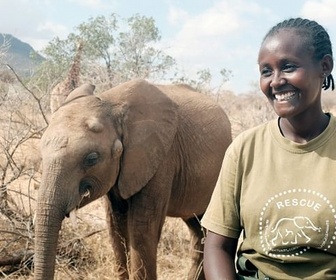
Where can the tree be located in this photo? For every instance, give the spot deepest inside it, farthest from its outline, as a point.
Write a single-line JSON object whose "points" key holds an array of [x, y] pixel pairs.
{"points": [[58, 54], [137, 55], [127, 54], [204, 80], [4, 47], [98, 36]]}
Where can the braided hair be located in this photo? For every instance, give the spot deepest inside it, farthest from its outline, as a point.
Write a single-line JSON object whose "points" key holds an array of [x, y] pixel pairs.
{"points": [[316, 37]]}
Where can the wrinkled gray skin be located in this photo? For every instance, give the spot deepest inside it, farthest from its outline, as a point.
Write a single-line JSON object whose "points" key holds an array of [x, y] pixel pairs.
{"points": [[152, 150]]}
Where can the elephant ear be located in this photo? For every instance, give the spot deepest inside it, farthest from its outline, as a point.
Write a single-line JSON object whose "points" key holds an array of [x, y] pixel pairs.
{"points": [[83, 90], [150, 125]]}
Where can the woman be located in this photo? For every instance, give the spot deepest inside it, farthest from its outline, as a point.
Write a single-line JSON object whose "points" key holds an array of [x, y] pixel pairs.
{"points": [[277, 185]]}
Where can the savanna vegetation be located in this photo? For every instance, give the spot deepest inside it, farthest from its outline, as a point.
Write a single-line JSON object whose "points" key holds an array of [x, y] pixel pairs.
{"points": [[115, 50]]}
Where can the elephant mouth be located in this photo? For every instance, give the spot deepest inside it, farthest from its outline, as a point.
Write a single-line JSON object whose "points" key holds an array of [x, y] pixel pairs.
{"points": [[85, 191], [86, 188], [89, 190]]}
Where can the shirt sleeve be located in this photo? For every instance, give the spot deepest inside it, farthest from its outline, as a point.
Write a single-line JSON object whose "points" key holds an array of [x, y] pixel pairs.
{"points": [[222, 215]]}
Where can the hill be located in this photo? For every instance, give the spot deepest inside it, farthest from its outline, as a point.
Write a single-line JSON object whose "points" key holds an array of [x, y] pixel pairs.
{"points": [[19, 55]]}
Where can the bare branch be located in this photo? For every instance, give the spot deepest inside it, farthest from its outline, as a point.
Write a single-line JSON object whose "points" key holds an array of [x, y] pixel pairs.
{"points": [[32, 93], [16, 258]]}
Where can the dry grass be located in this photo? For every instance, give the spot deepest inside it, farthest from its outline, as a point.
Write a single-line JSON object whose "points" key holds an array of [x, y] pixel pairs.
{"points": [[85, 252]]}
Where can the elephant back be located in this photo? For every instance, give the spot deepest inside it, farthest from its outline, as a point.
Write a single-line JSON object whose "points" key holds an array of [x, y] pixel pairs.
{"points": [[204, 134]]}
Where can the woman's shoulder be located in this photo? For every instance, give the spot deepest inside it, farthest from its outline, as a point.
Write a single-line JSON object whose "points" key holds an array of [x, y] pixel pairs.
{"points": [[253, 136], [257, 131]]}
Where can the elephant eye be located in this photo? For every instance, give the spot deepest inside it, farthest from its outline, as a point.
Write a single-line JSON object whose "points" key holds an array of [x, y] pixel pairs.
{"points": [[91, 159]]}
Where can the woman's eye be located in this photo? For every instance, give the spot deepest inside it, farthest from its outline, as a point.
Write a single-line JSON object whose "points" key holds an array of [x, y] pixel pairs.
{"points": [[289, 68], [91, 159], [265, 72]]}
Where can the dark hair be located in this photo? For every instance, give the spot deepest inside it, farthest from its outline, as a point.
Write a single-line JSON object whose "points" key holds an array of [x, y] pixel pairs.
{"points": [[317, 37]]}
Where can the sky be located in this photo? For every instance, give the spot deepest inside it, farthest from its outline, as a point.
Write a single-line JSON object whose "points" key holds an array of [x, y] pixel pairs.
{"points": [[198, 34]]}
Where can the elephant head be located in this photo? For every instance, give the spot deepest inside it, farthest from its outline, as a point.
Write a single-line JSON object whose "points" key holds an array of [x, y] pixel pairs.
{"points": [[93, 143]]}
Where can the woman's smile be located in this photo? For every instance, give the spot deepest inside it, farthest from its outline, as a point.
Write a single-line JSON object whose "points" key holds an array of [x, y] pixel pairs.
{"points": [[286, 96]]}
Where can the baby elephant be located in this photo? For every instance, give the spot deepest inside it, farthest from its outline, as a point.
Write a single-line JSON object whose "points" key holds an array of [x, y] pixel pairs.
{"points": [[152, 150]]}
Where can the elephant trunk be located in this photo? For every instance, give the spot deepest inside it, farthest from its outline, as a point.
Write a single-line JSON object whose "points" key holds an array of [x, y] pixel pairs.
{"points": [[49, 217]]}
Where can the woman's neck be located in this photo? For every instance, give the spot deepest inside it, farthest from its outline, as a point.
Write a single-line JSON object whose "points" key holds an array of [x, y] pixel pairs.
{"points": [[303, 131]]}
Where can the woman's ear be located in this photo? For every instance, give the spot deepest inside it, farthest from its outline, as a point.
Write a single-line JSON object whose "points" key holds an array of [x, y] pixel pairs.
{"points": [[327, 64]]}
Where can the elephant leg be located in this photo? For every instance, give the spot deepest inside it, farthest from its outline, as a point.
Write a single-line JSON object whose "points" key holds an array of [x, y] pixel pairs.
{"points": [[117, 227], [197, 246], [146, 218]]}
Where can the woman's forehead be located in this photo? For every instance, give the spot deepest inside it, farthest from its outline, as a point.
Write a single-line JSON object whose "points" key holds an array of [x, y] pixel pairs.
{"points": [[287, 41], [285, 36]]}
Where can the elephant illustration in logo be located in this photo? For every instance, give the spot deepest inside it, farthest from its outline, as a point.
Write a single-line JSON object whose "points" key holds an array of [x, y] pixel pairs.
{"points": [[292, 231]]}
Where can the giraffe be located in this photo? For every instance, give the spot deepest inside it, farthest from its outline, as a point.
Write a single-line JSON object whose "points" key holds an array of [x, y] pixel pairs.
{"points": [[63, 88]]}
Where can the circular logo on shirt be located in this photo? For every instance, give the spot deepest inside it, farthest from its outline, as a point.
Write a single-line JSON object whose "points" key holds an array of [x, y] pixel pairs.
{"points": [[293, 221]]}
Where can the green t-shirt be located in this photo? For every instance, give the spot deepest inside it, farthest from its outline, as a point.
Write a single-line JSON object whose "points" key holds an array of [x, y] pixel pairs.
{"points": [[283, 195]]}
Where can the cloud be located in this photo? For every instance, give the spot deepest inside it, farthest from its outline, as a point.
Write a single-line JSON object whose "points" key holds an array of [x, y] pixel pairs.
{"points": [[23, 19], [47, 30], [94, 4], [54, 28], [321, 11], [218, 37], [216, 27], [199, 31], [176, 16]]}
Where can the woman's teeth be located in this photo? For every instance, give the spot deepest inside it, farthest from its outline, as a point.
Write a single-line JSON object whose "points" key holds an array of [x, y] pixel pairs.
{"points": [[284, 96]]}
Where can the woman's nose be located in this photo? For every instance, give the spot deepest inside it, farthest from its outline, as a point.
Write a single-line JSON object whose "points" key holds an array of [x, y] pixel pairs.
{"points": [[277, 81]]}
